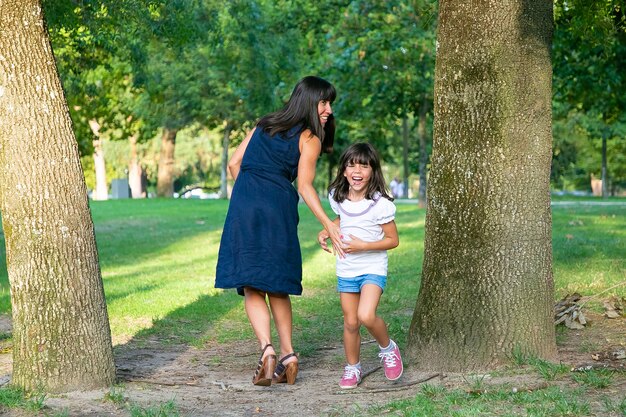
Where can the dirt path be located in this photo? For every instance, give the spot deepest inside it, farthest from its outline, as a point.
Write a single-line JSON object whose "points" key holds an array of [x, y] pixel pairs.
{"points": [[216, 380]]}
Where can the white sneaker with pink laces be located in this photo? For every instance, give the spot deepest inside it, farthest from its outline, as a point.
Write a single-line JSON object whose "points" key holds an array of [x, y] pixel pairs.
{"points": [[351, 377], [392, 363]]}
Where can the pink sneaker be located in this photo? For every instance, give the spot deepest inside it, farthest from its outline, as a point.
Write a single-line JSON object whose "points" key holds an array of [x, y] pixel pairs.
{"points": [[351, 377], [392, 363]]}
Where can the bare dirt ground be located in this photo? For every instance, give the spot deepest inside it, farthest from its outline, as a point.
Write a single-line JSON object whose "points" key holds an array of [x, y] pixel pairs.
{"points": [[216, 380]]}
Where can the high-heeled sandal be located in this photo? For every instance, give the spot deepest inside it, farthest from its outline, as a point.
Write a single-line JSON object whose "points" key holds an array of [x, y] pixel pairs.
{"points": [[286, 373], [265, 369]]}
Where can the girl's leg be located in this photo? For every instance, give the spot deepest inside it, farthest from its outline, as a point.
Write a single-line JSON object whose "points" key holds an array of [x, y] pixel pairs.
{"points": [[281, 311], [370, 296], [351, 326], [259, 317]]}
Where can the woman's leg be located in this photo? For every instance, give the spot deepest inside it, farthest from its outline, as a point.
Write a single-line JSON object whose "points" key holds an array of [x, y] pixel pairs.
{"points": [[281, 311], [259, 317], [351, 326], [370, 296]]}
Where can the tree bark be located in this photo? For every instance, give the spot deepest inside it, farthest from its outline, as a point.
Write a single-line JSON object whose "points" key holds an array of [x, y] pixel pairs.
{"points": [[421, 133], [224, 167], [487, 285], [101, 192], [61, 336], [165, 175], [135, 171]]}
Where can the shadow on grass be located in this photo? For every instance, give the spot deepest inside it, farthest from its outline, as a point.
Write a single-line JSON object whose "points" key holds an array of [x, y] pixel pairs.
{"points": [[129, 232]]}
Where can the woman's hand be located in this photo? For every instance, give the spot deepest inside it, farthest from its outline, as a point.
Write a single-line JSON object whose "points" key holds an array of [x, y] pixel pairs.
{"points": [[322, 236], [334, 234]]}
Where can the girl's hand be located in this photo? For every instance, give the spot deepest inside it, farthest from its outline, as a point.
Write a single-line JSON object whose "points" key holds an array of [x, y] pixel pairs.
{"points": [[353, 244], [322, 236]]}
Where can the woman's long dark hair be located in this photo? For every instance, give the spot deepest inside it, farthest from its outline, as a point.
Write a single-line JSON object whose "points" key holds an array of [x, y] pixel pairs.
{"points": [[359, 153], [301, 109]]}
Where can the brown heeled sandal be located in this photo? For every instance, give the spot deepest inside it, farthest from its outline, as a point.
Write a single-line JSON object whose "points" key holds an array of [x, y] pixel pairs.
{"points": [[265, 369], [286, 373]]}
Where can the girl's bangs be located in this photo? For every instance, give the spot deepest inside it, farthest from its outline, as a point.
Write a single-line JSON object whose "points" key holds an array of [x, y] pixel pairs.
{"points": [[360, 158]]}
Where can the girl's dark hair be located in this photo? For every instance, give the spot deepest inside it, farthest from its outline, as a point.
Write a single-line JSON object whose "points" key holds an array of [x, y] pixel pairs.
{"points": [[301, 109], [359, 153]]}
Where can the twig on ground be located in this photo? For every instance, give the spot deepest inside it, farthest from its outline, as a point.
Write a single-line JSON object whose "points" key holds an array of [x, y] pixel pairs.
{"points": [[391, 389], [155, 382], [371, 371], [364, 342], [591, 366], [619, 284]]}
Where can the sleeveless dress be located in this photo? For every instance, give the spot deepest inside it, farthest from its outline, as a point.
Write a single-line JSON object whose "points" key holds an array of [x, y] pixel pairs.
{"points": [[259, 246]]}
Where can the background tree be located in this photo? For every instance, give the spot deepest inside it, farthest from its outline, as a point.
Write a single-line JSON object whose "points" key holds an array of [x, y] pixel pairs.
{"points": [[382, 56], [61, 336], [487, 284], [589, 78]]}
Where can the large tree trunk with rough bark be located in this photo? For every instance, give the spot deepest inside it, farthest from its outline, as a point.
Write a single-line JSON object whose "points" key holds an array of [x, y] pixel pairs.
{"points": [[61, 336], [165, 174], [487, 286]]}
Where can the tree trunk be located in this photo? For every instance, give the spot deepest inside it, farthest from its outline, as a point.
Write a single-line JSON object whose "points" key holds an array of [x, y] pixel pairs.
{"points": [[135, 172], [224, 167], [487, 286], [421, 133], [101, 191], [405, 157], [165, 176], [61, 336]]}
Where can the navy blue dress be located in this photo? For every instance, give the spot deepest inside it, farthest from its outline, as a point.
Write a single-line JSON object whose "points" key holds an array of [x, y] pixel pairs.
{"points": [[259, 246]]}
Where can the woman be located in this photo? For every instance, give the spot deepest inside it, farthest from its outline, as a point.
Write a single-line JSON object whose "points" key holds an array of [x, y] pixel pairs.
{"points": [[259, 251]]}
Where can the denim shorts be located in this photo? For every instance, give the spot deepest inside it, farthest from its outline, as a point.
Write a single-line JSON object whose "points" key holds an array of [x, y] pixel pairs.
{"points": [[355, 284]]}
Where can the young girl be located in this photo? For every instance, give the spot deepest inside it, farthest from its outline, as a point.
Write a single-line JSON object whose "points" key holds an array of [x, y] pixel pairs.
{"points": [[366, 218]]}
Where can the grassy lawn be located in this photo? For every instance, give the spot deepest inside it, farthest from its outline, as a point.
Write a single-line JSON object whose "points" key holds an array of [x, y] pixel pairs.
{"points": [[158, 262], [158, 265]]}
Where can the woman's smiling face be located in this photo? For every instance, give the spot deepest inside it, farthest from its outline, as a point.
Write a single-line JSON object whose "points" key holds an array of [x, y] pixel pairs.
{"points": [[324, 110]]}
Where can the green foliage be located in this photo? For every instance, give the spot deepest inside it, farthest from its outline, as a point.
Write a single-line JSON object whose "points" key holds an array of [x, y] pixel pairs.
{"points": [[382, 60], [589, 57]]}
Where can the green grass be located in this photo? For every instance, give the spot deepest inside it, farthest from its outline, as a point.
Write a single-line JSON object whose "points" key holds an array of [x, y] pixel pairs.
{"points": [[13, 397], [498, 401], [158, 262]]}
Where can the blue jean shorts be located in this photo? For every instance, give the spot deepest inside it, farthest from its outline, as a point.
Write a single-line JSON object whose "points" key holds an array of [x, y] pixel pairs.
{"points": [[355, 284]]}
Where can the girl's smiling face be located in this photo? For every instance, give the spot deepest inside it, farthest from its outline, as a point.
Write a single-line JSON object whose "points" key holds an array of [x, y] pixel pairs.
{"points": [[324, 110], [358, 176]]}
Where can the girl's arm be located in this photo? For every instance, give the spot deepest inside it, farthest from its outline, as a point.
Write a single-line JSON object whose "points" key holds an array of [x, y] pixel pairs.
{"points": [[310, 147], [389, 241], [234, 163], [322, 236]]}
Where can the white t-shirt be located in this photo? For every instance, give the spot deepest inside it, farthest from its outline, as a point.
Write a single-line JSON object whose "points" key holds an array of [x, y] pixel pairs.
{"points": [[358, 219]]}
